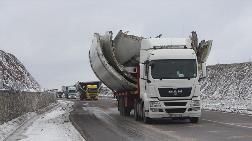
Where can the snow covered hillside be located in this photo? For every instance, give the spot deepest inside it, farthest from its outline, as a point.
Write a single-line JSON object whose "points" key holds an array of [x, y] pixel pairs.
{"points": [[13, 74], [228, 87]]}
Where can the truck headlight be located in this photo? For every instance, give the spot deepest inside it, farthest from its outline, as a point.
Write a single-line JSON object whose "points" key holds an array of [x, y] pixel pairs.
{"points": [[195, 103], [155, 104]]}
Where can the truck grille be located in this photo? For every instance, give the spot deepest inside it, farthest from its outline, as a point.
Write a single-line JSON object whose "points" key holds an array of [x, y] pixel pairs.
{"points": [[171, 92], [177, 110], [175, 103]]}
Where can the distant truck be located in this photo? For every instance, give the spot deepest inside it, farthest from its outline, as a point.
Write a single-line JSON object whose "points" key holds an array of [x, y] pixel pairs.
{"points": [[70, 92], [88, 90], [59, 94]]}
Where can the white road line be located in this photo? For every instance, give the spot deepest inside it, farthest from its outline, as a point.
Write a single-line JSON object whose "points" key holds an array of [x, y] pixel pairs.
{"points": [[232, 124]]}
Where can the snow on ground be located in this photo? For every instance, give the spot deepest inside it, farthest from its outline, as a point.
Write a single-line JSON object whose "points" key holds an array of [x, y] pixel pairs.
{"points": [[53, 125], [105, 92], [9, 127]]}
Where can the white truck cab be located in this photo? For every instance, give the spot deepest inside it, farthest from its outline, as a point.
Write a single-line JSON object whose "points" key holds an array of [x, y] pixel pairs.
{"points": [[169, 86], [72, 93]]}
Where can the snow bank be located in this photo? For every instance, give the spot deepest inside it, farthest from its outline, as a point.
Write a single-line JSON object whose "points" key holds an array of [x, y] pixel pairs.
{"points": [[105, 91], [228, 88], [54, 126], [9, 127]]}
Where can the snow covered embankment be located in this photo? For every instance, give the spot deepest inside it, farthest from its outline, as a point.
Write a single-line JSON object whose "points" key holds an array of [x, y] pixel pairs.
{"points": [[228, 88], [14, 104], [53, 125], [105, 92], [14, 75]]}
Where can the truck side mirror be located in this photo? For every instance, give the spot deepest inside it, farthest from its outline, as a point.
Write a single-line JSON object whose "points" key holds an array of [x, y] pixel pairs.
{"points": [[204, 72], [147, 64]]}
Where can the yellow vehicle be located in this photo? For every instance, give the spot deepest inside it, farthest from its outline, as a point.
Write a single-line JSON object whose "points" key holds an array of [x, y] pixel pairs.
{"points": [[88, 90], [92, 92]]}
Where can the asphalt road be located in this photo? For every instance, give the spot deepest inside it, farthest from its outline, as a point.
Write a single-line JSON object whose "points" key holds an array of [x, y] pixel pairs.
{"points": [[100, 121]]}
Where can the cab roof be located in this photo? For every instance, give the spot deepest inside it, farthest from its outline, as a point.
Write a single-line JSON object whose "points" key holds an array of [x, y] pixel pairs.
{"points": [[165, 43], [160, 54]]}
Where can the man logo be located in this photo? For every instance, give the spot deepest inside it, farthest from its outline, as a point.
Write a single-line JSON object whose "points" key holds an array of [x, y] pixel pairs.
{"points": [[180, 91], [176, 91]]}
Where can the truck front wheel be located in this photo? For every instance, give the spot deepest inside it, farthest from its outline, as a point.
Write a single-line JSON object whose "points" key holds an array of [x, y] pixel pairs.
{"points": [[194, 119], [145, 119]]}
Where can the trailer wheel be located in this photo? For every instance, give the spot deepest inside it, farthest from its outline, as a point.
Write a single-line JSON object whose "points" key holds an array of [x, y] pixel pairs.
{"points": [[136, 115], [124, 111], [120, 105], [127, 111]]}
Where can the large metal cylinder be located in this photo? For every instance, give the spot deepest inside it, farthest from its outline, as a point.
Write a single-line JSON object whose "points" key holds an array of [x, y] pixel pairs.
{"points": [[109, 58]]}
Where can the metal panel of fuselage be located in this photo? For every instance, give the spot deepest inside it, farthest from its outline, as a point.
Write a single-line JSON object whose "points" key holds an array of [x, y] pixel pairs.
{"points": [[127, 48]]}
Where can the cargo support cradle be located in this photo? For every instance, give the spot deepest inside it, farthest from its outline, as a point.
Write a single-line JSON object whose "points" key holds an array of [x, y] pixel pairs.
{"points": [[129, 97]]}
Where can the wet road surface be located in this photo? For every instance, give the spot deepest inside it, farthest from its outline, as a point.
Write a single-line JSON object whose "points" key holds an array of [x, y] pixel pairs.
{"points": [[100, 121]]}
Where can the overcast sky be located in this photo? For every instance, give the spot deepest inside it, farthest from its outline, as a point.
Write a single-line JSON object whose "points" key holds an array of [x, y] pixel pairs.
{"points": [[52, 37]]}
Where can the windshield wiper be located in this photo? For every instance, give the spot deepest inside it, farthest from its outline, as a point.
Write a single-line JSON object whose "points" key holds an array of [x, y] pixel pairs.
{"points": [[185, 78]]}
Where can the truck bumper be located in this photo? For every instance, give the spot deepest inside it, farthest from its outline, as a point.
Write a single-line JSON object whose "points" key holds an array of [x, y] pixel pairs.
{"points": [[92, 96], [172, 115], [173, 111], [72, 97]]}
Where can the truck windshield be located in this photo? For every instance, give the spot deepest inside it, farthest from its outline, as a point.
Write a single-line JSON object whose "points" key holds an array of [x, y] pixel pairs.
{"points": [[174, 69]]}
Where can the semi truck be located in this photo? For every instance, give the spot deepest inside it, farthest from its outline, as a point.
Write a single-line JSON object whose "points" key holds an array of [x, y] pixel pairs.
{"points": [[155, 77], [70, 92], [88, 90]]}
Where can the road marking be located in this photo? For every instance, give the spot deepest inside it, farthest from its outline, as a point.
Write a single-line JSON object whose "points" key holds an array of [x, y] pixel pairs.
{"points": [[232, 124], [213, 131], [239, 137], [85, 104]]}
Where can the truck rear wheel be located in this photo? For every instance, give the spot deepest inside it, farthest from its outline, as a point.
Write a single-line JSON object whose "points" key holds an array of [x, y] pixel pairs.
{"points": [[194, 119]]}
